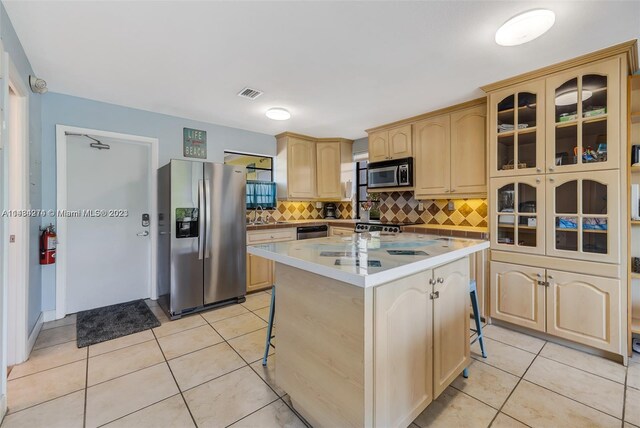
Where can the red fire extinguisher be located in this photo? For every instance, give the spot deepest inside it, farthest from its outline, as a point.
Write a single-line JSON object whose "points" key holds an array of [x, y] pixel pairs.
{"points": [[48, 241]]}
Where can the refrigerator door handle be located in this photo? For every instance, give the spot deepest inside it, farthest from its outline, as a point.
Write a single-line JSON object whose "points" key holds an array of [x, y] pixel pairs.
{"points": [[202, 206], [207, 216]]}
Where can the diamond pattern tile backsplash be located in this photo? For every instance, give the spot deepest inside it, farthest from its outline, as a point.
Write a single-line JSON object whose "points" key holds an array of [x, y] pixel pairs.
{"points": [[287, 211], [403, 207]]}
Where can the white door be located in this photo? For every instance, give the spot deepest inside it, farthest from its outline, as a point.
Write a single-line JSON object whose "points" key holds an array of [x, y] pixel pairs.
{"points": [[108, 257]]}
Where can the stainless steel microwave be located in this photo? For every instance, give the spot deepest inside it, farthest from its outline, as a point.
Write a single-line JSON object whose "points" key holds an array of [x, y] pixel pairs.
{"points": [[391, 173]]}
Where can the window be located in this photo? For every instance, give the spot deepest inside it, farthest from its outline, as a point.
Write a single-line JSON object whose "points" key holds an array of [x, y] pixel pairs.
{"points": [[261, 190]]}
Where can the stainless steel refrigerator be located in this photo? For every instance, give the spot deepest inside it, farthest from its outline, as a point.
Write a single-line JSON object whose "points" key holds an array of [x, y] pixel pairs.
{"points": [[202, 241]]}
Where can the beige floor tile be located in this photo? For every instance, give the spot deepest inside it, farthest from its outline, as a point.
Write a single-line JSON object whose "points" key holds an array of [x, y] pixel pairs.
{"points": [[506, 357], [49, 357], [43, 386], [123, 361], [632, 407], [187, 341], [225, 312], [583, 361], [635, 358], [539, 407], [628, 425], [633, 376], [171, 412], [268, 374], [274, 415], [599, 393], [68, 320], [121, 342], [229, 398], [55, 336], [504, 421], [201, 366], [63, 412], [513, 338], [455, 409], [257, 301], [239, 325], [251, 346], [172, 327], [487, 384], [263, 313], [119, 397]]}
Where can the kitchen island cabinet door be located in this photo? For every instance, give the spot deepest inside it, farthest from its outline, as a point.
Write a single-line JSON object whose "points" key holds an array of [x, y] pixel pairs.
{"points": [[585, 309], [451, 349], [403, 350], [468, 151], [518, 295], [433, 156]]}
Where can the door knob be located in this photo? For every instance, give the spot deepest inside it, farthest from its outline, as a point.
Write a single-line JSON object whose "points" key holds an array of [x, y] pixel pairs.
{"points": [[145, 233]]}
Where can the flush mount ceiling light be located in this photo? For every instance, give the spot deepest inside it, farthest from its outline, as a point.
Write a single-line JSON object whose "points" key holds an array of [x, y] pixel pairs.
{"points": [[571, 97], [278, 113], [525, 27]]}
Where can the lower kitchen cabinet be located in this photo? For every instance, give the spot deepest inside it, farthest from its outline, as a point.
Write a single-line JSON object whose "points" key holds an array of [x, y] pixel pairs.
{"points": [[518, 295], [340, 231], [422, 332], [582, 308], [585, 309], [259, 273]]}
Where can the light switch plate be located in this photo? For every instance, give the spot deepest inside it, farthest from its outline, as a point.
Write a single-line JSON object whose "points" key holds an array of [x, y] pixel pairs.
{"points": [[452, 206]]}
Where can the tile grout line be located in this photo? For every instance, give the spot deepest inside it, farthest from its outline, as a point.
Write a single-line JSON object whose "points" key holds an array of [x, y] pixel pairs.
{"points": [[255, 411], [582, 370], [516, 387], [174, 378], [46, 370], [140, 409], [624, 394]]}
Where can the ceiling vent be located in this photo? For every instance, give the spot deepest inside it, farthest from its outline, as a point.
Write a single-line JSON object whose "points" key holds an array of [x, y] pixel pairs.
{"points": [[249, 93]]}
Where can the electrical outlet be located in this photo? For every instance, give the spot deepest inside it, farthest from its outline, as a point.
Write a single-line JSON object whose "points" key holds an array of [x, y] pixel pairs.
{"points": [[420, 206], [452, 206], [12, 239]]}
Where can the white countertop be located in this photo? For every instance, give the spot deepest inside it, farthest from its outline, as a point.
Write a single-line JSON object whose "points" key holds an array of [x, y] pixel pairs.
{"points": [[367, 260]]}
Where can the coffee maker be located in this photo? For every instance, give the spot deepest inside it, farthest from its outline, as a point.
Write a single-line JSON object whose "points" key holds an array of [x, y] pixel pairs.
{"points": [[330, 210]]}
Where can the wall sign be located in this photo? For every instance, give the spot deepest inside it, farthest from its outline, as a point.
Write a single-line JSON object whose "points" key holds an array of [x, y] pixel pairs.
{"points": [[194, 143]]}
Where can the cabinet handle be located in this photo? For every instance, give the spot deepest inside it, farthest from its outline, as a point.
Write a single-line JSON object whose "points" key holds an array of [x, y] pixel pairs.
{"points": [[434, 295], [431, 281], [440, 280]]}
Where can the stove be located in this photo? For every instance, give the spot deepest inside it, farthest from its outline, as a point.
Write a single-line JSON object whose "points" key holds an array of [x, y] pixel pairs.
{"points": [[380, 227]]}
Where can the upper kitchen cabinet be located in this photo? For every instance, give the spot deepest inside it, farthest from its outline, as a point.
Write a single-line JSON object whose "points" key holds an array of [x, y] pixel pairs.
{"points": [[450, 158], [393, 143], [583, 118], [309, 168], [334, 168], [516, 134]]}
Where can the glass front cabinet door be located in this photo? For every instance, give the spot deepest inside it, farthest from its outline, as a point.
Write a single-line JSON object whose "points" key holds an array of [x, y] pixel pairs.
{"points": [[517, 132], [583, 125], [582, 216], [517, 214]]}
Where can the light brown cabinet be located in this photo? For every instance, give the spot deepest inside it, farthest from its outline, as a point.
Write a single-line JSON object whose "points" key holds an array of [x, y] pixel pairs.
{"points": [[310, 168], [394, 143], [583, 308], [260, 271], [450, 154], [422, 332], [340, 231]]}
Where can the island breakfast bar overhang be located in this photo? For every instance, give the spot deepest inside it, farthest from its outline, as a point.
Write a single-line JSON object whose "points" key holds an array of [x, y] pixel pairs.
{"points": [[370, 329]]}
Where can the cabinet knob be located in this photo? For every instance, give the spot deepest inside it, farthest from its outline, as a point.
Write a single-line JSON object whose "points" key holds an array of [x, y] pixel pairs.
{"points": [[431, 281], [550, 276], [434, 295], [539, 275], [551, 168], [452, 190], [539, 169], [552, 180], [440, 280], [537, 180]]}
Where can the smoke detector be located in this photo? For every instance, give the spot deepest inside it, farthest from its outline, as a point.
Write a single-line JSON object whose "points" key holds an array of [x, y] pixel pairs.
{"points": [[38, 86], [249, 93]]}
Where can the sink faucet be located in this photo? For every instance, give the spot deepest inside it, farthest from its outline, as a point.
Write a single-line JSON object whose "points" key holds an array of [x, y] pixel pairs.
{"points": [[255, 214]]}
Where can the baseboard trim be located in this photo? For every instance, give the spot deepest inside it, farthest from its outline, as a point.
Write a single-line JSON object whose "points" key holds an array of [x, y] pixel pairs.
{"points": [[34, 334], [3, 407], [49, 315]]}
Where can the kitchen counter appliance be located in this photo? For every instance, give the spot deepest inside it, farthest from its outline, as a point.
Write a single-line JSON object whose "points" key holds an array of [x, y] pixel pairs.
{"points": [[390, 173], [309, 232], [202, 236], [329, 210]]}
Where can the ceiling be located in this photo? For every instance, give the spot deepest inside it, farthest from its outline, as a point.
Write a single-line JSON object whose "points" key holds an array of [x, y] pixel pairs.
{"points": [[338, 67]]}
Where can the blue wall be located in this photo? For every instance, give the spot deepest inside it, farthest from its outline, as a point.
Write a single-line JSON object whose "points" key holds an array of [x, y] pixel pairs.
{"points": [[73, 111], [14, 48]]}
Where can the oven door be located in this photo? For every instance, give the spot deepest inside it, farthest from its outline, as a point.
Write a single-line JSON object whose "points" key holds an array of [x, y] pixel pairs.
{"points": [[383, 177]]}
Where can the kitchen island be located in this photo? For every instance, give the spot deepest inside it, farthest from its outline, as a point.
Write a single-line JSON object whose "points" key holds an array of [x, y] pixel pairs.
{"points": [[370, 328]]}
